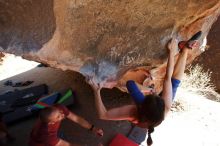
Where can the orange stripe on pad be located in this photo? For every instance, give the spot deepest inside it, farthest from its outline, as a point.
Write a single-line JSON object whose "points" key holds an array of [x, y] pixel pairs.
{"points": [[43, 104]]}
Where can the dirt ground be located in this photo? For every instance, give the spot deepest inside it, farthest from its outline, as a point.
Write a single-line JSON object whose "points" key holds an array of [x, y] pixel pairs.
{"points": [[196, 125]]}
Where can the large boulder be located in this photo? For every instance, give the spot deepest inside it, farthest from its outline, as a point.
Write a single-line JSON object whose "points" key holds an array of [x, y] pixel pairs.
{"points": [[210, 58], [111, 41]]}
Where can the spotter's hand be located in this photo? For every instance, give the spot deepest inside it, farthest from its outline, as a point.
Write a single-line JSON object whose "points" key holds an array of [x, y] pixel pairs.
{"points": [[97, 131]]}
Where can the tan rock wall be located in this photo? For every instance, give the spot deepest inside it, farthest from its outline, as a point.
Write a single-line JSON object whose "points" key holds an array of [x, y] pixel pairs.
{"points": [[103, 38]]}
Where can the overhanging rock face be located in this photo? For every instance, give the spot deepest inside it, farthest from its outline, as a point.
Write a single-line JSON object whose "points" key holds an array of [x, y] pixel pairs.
{"points": [[103, 38]]}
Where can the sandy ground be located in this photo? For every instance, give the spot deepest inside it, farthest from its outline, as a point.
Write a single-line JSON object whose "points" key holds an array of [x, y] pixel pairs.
{"points": [[197, 125]]}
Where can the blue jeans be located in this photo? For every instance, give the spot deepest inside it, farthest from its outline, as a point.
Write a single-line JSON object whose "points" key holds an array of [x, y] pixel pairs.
{"points": [[175, 85]]}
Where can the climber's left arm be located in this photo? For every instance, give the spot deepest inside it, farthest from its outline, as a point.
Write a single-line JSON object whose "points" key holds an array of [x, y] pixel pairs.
{"points": [[167, 85]]}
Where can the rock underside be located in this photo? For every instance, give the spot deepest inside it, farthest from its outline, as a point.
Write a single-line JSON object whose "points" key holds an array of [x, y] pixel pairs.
{"points": [[111, 41]]}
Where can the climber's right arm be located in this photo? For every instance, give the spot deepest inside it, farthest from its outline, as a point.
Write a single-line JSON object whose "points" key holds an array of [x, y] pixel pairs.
{"points": [[120, 113]]}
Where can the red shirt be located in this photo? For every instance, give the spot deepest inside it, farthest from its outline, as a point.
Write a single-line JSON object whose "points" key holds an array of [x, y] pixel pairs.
{"points": [[44, 134]]}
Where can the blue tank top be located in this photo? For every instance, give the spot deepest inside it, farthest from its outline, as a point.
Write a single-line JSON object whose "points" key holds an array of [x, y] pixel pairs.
{"points": [[135, 93]]}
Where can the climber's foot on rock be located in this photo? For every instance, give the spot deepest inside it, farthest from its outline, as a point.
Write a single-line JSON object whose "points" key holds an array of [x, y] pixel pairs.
{"points": [[191, 43]]}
